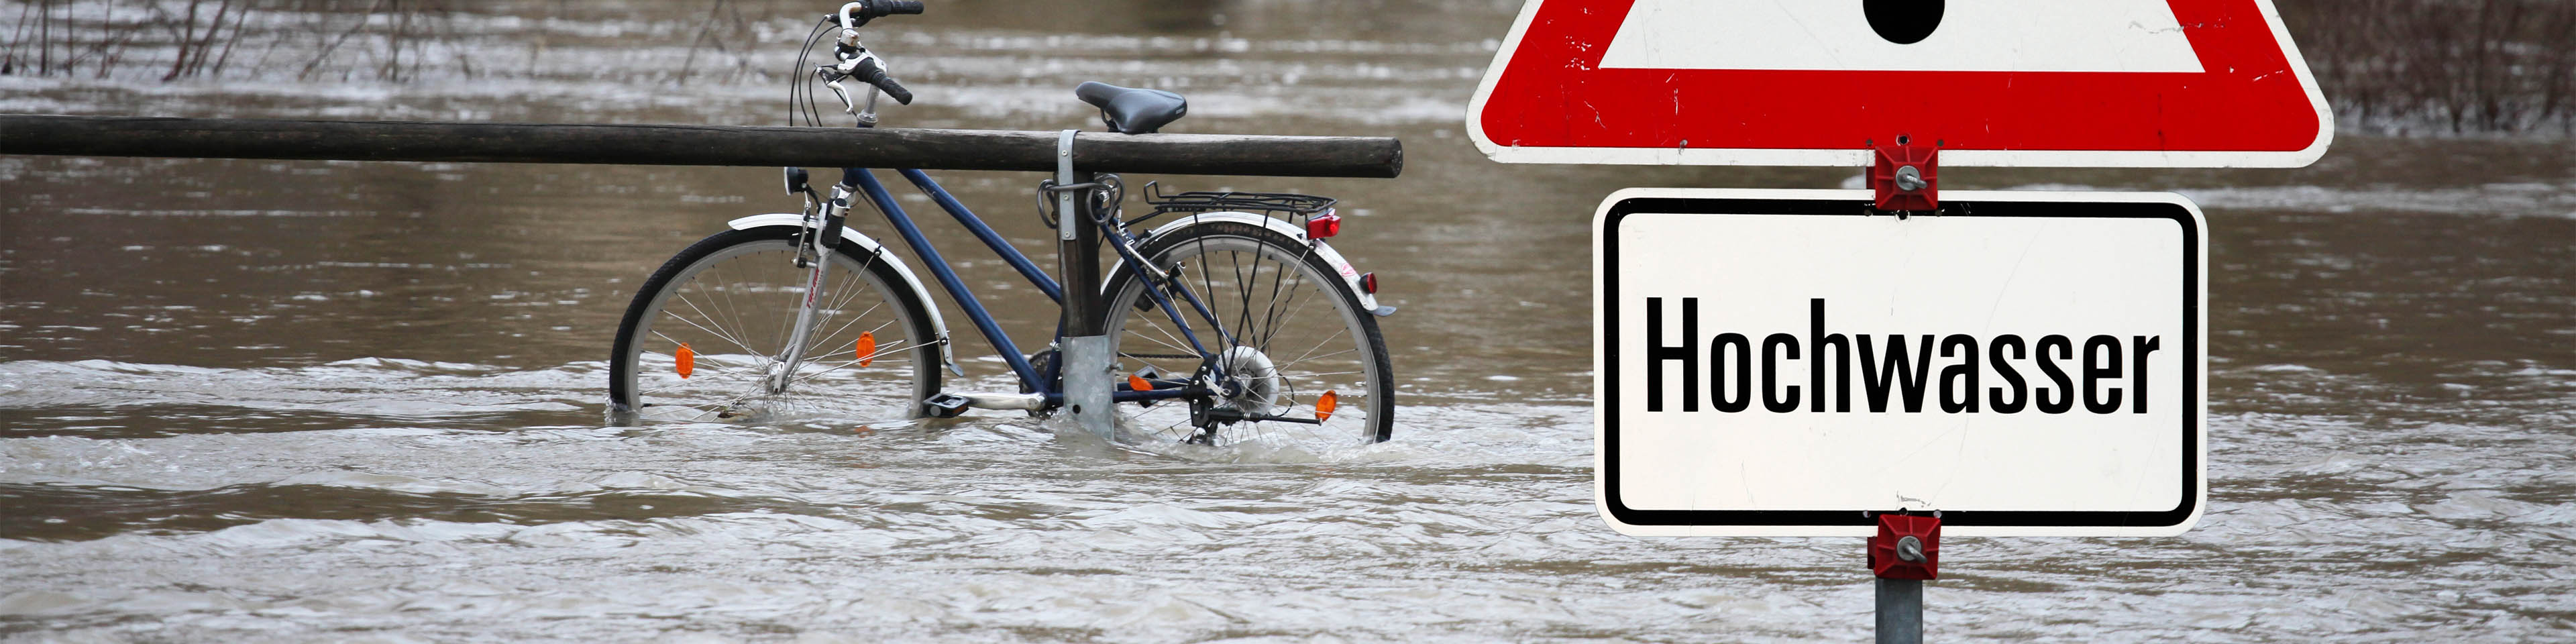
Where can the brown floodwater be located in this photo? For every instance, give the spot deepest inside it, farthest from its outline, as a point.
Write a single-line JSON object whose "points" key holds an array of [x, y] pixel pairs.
{"points": [[262, 400]]}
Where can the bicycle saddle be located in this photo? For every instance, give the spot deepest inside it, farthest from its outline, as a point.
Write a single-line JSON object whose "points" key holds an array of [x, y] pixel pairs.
{"points": [[1129, 110]]}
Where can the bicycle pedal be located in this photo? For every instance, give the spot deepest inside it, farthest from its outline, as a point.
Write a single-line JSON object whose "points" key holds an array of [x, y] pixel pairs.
{"points": [[945, 405]]}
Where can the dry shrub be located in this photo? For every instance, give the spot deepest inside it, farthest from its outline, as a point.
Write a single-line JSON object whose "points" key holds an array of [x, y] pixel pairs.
{"points": [[2456, 65], [386, 40], [200, 37]]}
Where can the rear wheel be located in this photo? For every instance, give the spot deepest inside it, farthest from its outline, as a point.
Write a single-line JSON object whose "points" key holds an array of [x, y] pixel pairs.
{"points": [[1288, 330], [706, 337]]}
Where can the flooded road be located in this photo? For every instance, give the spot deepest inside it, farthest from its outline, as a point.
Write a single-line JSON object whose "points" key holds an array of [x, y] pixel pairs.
{"points": [[322, 401]]}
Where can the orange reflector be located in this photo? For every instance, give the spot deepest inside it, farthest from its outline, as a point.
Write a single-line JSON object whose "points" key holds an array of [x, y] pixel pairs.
{"points": [[1324, 405], [686, 362], [866, 348], [1138, 383]]}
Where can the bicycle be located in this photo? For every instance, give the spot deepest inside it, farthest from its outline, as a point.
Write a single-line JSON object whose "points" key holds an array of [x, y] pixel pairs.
{"points": [[795, 315]]}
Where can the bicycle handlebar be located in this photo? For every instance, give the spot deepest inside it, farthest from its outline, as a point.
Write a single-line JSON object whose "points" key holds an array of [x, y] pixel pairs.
{"points": [[856, 62]]}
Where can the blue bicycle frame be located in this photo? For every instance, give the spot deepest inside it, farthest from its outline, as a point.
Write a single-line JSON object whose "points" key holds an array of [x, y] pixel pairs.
{"points": [[861, 180]]}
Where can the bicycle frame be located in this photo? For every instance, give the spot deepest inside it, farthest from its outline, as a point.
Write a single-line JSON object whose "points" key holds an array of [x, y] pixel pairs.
{"points": [[863, 181]]}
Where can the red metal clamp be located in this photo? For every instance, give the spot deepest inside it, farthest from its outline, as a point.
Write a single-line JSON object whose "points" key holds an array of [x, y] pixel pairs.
{"points": [[1907, 176], [1907, 547]]}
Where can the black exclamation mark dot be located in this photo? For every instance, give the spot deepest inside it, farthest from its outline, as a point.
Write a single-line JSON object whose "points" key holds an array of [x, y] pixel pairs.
{"points": [[1903, 22]]}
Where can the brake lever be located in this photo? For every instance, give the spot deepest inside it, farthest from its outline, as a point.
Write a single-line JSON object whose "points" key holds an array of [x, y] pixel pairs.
{"points": [[865, 117], [843, 94]]}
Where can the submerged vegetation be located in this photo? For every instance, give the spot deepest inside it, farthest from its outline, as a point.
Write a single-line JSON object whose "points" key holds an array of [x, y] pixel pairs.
{"points": [[2393, 66]]}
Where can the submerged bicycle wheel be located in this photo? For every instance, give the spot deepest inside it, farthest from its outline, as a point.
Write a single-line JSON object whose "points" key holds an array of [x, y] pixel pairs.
{"points": [[707, 334], [1288, 331]]}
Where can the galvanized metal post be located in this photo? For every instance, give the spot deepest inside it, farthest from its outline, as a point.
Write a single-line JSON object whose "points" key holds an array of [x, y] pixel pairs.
{"points": [[1084, 351], [1900, 611], [1905, 552]]}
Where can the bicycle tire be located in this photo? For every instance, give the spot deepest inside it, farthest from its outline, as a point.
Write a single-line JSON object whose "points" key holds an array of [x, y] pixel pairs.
{"points": [[713, 279], [1265, 308]]}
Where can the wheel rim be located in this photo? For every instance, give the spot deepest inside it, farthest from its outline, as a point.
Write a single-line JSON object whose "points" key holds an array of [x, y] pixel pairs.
{"points": [[1292, 322], [735, 310]]}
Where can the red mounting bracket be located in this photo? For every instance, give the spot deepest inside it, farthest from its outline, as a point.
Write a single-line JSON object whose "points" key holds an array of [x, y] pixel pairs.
{"points": [[1907, 176], [1906, 547]]}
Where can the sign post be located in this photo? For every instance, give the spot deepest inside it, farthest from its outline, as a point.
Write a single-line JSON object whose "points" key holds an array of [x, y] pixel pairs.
{"points": [[1903, 361], [1903, 555]]}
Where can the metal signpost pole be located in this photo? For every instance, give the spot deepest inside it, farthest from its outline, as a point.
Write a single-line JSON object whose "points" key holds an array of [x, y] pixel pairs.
{"points": [[1084, 356], [1900, 611], [1905, 552], [1905, 177]]}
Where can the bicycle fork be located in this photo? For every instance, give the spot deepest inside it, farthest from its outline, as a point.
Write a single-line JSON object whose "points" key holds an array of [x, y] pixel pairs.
{"points": [[813, 252]]}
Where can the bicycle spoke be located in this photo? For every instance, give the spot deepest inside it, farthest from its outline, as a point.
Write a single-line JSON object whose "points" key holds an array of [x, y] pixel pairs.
{"points": [[702, 380], [1270, 313], [834, 338], [1243, 308], [1269, 320], [1174, 343], [842, 295], [732, 309], [1310, 351], [1179, 295], [718, 334], [711, 319], [1306, 358], [870, 358]]}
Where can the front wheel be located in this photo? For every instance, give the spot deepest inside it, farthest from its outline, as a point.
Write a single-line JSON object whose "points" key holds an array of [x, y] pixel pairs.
{"points": [[1280, 322], [706, 338]]}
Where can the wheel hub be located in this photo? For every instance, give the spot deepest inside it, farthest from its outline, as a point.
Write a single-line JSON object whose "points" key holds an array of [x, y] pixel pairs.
{"points": [[774, 376], [1252, 383]]}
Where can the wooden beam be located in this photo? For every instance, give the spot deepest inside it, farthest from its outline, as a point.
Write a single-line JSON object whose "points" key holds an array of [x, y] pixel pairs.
{"points": [[718, 145]]}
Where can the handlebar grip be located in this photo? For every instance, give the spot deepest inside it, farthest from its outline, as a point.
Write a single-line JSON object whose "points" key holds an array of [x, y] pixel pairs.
{"points": [[874, 9], [875, 74]]}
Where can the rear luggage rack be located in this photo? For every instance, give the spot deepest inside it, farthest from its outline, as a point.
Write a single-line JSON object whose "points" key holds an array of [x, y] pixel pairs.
{"points": [[1209, 201]]}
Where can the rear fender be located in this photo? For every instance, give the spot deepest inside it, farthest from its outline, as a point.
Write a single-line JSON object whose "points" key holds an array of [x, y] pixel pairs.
{"points": [[937, 324]]}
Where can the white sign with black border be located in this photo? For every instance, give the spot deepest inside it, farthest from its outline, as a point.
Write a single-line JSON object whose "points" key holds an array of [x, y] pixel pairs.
{"points": [[1787, 362]]}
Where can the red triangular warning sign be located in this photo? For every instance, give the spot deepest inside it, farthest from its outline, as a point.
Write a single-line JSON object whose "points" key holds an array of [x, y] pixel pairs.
{"points": [[2099, 83]]}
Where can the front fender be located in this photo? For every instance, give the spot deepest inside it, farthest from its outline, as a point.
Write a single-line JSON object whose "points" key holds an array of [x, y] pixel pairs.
{"points": [[1324, 251], [938, 325]]}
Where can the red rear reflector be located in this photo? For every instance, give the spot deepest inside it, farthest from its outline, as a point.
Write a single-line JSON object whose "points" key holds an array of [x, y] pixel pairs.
{"points": [[1368, 283], [1323, 225]]}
